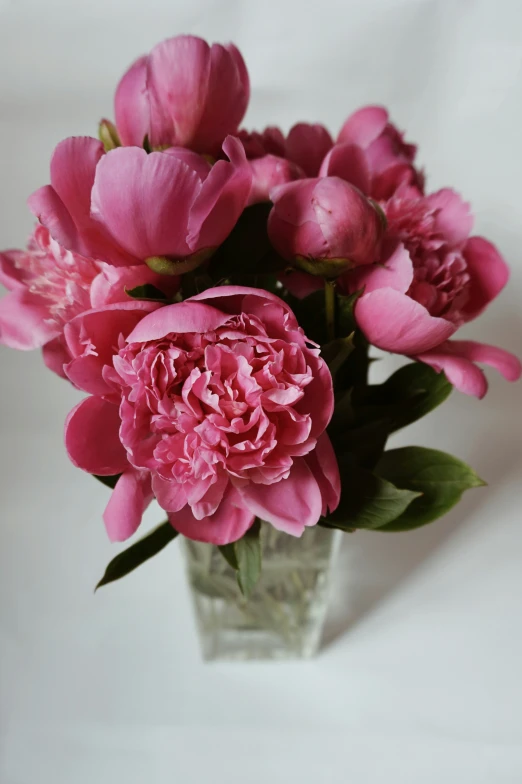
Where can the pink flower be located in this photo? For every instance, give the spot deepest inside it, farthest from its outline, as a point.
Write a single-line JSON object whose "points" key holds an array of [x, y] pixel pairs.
{"points": [[370, 153], [267, 173], [324, 226], [436, 279], [185, 93], [125, 207], [306, 145], [49, 286], [219, 400], [271, 141]]}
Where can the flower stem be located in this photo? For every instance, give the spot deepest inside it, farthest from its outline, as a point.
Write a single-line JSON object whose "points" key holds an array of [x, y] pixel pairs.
{"points": [[329, 301]]}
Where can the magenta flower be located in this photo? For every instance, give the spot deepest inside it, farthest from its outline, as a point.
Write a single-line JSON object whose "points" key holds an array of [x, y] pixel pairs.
{"points": [[126, 206], [324, 226], [218, 399], [370, 153], [49, 286], [436, 279], [185, 93]]}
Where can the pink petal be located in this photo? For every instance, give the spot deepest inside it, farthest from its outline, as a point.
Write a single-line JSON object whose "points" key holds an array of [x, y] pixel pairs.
{"points": [[395, 272], [364, 126], [113, 283], [171, 496], [131, 105], [307, 145], [221, 200], [143, 201], [52, 213], [92, 437], [457, 357], [55, 356], [24, 321], [227, 525], [290, 504], [348, 162], [268, 173], [301, 284], [12, 272], [394, 322], [489, 274], [453, 218], [128, 501], [226, 100], [188, 316], [322, 462], [318, 400], [178, 75], [194, 161], [93, 338]]}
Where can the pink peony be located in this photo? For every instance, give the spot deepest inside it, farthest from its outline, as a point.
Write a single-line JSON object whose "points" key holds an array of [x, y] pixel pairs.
{"points": [[49, 286], [219, 400], [267, 173], [370, 153], [125, 207], [436, 279], [324, 225], [185, 93]]}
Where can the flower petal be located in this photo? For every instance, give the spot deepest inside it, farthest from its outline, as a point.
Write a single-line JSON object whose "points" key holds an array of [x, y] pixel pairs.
{"points": [[364, 126], [143, 201], [453, 218], [92, 437], [290, 504], [131, 105], [268, 173], [226, 525], [306, 145], [489, 274], [395, 272], [188, 316], [129, 499], [457, 357], [24, 321], [56, 355], [322, 462], [348, 162], [394, 322]]}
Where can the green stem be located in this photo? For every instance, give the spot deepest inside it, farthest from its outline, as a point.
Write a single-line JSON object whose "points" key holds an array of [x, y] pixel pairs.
{"points": [[329, 301]]}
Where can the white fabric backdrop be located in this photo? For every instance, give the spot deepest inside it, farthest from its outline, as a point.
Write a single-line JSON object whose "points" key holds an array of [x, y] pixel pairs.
{"points": [[421, 679]]}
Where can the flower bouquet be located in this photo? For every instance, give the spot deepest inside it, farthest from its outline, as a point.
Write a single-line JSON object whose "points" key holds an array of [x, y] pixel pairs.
{"points": [[217, 293]]}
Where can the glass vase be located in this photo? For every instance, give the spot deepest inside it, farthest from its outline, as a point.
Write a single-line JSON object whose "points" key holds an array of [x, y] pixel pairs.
{"points": [[284, 616]]}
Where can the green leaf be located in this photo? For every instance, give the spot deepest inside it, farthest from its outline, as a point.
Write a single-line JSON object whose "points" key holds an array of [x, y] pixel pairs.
{"points": [[440, 478], [366, 442], [147, 292], [409, 394], [248, 555], [336, 352], [367, 500], [139, 552], [228, 552], [108, 481]]}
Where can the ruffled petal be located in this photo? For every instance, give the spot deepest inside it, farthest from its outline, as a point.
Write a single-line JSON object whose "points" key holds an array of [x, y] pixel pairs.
{"points": [[24, 321], [226, 525]]}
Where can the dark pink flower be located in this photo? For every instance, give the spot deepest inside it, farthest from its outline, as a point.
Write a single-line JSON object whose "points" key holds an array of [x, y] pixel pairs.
{"points": [[436, 279], [185, 93], [324, 225], [371, 153], [126, 206], [49, 286], [219, 399]]}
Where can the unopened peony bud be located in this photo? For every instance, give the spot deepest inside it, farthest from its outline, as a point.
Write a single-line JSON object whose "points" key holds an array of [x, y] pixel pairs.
{"points": [[108, 135], [324, 226]]}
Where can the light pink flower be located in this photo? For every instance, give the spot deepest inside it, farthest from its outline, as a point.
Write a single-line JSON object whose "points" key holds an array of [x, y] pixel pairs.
{"points": [[324, 225], [436, 279], [370, 153], [185, 93], [49, 286], [126, 206], [219, 399]]}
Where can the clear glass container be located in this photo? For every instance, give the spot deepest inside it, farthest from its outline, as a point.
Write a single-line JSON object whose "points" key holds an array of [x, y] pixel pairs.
{"points": [[284, 616]]}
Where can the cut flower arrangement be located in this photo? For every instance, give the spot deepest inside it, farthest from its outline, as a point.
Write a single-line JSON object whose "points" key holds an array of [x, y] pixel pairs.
{"points": [[216, 294]]}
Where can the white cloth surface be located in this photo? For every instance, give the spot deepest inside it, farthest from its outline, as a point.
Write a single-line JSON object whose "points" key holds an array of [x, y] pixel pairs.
{"points": [[420, 679]]}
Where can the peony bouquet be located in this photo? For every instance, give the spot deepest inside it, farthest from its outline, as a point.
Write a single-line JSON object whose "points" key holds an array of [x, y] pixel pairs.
{"points": [[217, 293]]}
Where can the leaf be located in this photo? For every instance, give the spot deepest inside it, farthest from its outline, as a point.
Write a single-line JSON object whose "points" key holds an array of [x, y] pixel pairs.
{"points": [[366, 442], [147, 292], [409, 394], [440, 478], [139, 552], [336, 352], [229, 554], [367, 500], [248, 555], [345, 313], [108, 481]]}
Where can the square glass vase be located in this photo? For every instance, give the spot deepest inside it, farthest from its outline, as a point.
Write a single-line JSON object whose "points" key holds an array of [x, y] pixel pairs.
{"points": [[284, 616]]}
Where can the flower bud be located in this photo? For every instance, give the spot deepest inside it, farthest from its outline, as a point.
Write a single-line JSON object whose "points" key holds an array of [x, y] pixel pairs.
{"points": [[108, 135], [324, 226]]}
